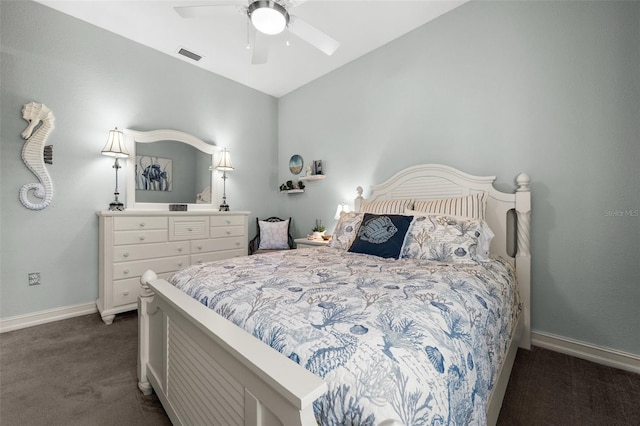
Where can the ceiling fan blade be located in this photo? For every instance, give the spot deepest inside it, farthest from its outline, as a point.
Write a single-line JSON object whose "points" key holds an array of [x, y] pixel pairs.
{"points": [[259, 47], [294, 3], [204, 11], [313, 36]]}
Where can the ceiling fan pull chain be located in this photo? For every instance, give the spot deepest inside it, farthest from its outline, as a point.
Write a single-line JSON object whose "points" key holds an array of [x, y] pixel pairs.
{"points": [[248, 34]]}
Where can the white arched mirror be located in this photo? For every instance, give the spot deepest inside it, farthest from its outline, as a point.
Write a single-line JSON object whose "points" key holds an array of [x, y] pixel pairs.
{"points": [[169, 167]]}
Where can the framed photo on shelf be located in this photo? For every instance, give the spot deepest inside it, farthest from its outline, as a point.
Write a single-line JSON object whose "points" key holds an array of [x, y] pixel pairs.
{"points": [[317, 167]]}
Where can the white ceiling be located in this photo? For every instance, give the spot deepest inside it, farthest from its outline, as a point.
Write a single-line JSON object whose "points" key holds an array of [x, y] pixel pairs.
{"points": [[221, 39]]}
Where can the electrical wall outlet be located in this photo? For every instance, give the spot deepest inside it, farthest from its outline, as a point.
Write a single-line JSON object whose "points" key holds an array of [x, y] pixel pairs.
{"points": [[34, 278]]}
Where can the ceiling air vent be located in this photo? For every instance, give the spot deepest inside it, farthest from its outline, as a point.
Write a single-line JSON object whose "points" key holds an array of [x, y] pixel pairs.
{"points": [[190, 55]]}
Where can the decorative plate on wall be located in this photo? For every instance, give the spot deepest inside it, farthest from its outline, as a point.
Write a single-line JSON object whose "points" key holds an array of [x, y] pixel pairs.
{"points": [[295, 164]]}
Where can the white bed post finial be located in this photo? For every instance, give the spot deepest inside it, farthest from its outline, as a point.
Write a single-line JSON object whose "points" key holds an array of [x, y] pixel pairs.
{"points": [[523, 254], [358, 200], [146, 296], [523, 180]]}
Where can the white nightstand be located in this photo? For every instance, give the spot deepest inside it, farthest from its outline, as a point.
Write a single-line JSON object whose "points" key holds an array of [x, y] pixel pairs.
{"points": [[306, 243]]}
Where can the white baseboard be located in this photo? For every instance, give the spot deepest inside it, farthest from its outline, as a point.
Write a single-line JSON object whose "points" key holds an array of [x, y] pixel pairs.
{"points": [[42, 317], [601, 355]]}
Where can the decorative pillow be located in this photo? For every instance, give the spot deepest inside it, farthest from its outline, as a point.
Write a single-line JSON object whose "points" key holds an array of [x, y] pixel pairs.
{"points": [[381, 235], [484, 241], [447, 239], [472, 206], [386, 206], [346, 230], [274, 235]]}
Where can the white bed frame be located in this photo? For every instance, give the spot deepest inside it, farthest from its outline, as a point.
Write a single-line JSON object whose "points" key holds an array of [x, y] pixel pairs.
{"points": [[206, 370]]}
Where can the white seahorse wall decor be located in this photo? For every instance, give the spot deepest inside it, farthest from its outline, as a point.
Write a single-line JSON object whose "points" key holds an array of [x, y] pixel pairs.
{"points": [[32, 154]]}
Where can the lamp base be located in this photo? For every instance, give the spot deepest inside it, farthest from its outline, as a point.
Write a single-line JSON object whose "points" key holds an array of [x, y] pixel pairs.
{"points": [[224, 207], [116, 206]]}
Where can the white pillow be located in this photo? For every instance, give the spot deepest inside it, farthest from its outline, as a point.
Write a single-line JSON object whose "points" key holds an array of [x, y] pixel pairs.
{"points": [[274, 235], [346, 230], [471, 206], [436, 237]]}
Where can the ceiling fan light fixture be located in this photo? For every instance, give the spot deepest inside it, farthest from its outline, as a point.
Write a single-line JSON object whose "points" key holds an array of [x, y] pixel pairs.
{"points": [[268, 17]]}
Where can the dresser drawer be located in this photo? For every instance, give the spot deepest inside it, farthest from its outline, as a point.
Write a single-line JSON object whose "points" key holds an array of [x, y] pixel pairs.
{"points": [[226, 231], [188, 228], [131, 223], [127, 291], [216, 255], [227, 220], [136, 269], [204, 246], [140, 236], [149, 251]]}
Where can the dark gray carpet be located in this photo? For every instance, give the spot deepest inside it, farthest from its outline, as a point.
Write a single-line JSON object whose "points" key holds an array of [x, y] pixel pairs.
{"points": [[550, 388], [77, 371], [82, 372]]}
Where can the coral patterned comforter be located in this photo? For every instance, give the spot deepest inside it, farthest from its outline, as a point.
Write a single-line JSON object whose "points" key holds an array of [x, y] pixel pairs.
{"points": [[415, 341]]}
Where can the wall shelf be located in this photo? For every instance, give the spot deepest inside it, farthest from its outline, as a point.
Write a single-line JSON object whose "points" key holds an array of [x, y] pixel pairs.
{"points": [[293, 191], [312, 177]]}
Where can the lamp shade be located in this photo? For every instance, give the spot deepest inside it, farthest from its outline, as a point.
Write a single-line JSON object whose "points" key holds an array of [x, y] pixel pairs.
{"points": [[342, 207], [115, 145], [268, 17], [225, 161]]}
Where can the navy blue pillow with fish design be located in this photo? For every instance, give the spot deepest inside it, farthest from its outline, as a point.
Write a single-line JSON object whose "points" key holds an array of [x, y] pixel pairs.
{"points": [[381, 235]]}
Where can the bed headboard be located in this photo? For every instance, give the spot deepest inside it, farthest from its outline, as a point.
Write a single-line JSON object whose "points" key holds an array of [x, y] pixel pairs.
{"points": [[507, 213]]}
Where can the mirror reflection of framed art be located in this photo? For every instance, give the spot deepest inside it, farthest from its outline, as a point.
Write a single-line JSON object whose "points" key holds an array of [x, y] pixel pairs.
{"points": [[295, 164]]}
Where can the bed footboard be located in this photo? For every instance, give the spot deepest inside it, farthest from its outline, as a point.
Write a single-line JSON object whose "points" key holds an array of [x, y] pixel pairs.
{"points": [[206, 370]]}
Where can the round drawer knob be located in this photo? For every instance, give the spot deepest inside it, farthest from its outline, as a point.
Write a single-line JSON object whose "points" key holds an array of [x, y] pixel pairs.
{"points": [[199, 262], [125, 272], [237, 243], [179, 263], [142, 238], [179, 248], [189, 229], [199, 247], [228, 222], [125, 255], [141, 224], [126, 293], [228, 232]]}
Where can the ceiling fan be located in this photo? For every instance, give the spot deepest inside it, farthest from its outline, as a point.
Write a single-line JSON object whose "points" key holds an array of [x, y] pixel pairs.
{"points": [[266, 18]]}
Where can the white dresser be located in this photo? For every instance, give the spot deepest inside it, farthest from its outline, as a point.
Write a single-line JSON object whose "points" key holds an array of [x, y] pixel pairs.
{"points": [[133, 241]]}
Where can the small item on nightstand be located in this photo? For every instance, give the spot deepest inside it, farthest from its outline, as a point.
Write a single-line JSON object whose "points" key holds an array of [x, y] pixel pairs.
{"points": [[177, 207], [318, 230]]}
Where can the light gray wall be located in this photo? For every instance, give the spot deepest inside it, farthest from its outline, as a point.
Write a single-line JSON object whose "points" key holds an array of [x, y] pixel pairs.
{"points": [[497, 88], [94, 80]]}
